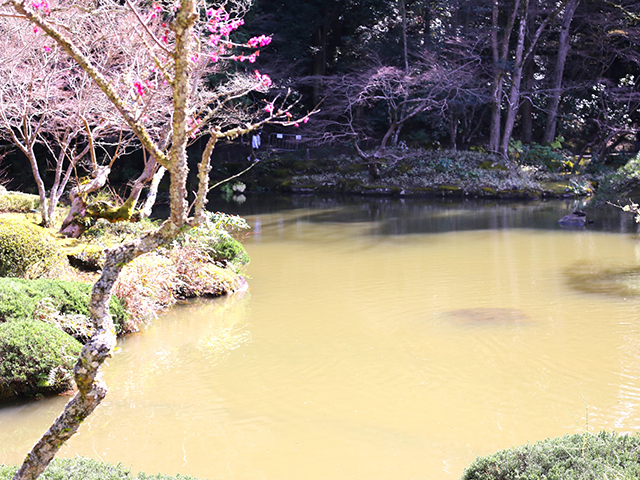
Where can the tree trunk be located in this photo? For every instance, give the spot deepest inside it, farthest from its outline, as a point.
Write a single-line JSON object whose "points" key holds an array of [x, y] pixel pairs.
{"points": [[496, 90], [564, 44], [500, 51], [26, 146], [147, 208], [453, 131], [91, 386], [527, 104], [516, 79], [403, 12]]}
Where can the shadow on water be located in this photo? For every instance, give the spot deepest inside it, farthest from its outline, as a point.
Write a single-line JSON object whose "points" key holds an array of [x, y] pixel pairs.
{"points": [[401, 216], [487, 316]]}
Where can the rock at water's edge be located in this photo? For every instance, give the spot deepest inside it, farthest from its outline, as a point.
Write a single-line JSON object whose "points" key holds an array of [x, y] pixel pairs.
{"points": [[575, 219]]}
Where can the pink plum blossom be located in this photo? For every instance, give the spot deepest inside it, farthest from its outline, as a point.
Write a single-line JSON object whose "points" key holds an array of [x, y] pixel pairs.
{"points": [[139, 88], [42, 4], [265, 80], [260, 41]]}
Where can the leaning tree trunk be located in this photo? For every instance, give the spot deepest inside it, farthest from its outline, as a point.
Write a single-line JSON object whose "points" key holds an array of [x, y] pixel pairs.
{"points": [[91, 386]]}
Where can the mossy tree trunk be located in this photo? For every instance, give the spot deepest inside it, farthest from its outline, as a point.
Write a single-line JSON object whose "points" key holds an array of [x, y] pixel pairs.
{"points": [[91, 387]]}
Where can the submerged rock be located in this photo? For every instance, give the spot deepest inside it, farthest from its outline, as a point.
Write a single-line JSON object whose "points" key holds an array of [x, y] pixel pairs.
{"points": [[576, 219]]}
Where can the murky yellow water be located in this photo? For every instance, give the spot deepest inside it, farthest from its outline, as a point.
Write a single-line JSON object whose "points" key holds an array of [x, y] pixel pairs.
{"points": [[364, 355]]}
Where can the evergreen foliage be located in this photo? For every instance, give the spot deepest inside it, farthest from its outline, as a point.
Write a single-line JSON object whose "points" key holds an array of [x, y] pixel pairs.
{"points": [[20, 299], [572, 457], [37, 358], [89, 469]]}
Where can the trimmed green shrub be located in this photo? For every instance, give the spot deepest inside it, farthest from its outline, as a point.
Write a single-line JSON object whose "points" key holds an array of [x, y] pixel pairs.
{"points": [[37, 358], [571, 457], [88, 469], [26, 250], [228, 250], [213, 239], [24, 299], [18, 202]]}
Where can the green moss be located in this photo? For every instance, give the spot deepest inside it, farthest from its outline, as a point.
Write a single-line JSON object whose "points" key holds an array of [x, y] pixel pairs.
{"points": [[450, 190], [19, 299], [490, 165], [488, 192], [571, 457], [420, 191], [555, 188], [37, 358], [114, 233], [26, 250], [300, 166], [101, 209], [280, 173], [229, 250], [88, 469]]}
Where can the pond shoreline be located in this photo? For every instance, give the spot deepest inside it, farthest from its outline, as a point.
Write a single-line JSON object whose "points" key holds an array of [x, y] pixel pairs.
{"points": [[419, 173]]}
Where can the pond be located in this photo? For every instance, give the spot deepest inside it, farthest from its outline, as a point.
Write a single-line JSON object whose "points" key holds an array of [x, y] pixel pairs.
{"points": [[380, 339]]}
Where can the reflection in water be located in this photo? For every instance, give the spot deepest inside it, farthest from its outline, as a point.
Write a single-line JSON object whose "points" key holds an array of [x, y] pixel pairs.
{"points": [[622, 281], [386, 348]]}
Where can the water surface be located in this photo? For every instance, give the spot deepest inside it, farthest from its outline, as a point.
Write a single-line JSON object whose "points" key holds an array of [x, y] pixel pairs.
{"points": [[380, 340]]}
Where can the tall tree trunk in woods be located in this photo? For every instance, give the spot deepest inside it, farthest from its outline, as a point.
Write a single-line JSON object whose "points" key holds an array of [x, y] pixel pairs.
{"points": [[528, 79], [520, 57], [527, 104], [319, 39], [500, 52], [516, 79], [319, 60], [564, 44], [405, 45]]}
